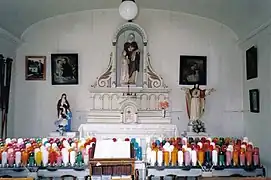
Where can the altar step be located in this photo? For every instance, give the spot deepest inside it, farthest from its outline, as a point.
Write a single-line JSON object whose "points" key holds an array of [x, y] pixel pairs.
{"points": [[114, 116]]}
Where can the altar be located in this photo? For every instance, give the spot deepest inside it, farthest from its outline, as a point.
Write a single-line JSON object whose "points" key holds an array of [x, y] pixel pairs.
{"points": [[125, 100]]}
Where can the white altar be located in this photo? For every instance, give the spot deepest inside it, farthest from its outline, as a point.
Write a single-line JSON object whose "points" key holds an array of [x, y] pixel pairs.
{"points": [[128, 110]]}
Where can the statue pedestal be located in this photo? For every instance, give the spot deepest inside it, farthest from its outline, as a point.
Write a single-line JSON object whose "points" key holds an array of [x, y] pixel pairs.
{"points": [[195, 135], [65, 135]]}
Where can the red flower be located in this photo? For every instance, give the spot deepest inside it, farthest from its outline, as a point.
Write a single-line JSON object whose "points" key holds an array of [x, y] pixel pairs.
{"points": [[93, 140], [114, 139], [127, 139]]}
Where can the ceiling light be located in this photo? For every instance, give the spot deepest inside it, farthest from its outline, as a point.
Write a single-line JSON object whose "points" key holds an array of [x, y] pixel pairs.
{"points": [[128, 9]]}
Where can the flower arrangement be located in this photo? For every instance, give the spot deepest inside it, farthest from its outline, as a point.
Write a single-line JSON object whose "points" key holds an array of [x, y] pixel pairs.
{"points": [[198, 126], [164, 104]]}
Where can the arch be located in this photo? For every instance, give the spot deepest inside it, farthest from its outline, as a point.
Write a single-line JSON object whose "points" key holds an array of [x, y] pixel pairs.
{"points": [[130, 26]]}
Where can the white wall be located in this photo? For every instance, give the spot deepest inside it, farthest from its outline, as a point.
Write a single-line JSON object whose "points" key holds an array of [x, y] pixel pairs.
{"points": [[257, 125], [8, 49], [89, 33]]}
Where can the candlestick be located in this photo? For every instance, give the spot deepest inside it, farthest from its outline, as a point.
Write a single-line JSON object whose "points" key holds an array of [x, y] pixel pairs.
{"points": [[4, 159], [180, 158]]}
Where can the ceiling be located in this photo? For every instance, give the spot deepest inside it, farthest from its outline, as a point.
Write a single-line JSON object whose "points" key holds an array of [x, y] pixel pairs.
{"points": [[242, 16]]}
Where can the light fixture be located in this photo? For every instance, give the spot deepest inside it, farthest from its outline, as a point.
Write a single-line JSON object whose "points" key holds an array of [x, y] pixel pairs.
{"points": [[128, 10]]}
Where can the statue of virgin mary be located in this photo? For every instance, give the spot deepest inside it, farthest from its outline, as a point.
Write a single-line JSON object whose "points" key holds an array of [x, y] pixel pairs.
{"points": [[64, 115]]}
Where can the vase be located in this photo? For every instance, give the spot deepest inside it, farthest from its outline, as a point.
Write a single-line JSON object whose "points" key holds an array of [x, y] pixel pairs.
{"points": [[163, 113]]}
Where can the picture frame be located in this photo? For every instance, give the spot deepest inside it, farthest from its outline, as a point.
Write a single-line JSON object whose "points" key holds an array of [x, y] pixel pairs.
{"points": [[254, 100], [64, 69], [252, 63], [35, 68], [193, 70]]}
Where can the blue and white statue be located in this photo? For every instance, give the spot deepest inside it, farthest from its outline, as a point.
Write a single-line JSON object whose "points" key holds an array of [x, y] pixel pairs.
{"points": [[64, 115]]}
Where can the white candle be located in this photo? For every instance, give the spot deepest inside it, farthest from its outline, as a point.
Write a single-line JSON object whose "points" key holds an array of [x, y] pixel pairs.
{"points": [[184, 141], [72, 157], [86, 159], [8, 140], [160, 158], [152, 159], [65, 156], [45, 156], [4, 159], [194, 157], [18, 158], [149, 155], [180, 158], [214, 157]]}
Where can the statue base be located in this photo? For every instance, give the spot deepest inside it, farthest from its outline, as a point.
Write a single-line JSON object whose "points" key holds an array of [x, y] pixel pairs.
{"points": [[65, 134]]}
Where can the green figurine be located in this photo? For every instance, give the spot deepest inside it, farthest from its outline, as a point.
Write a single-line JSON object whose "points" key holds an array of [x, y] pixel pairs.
{"points": [[79, 158], [31, 159]]}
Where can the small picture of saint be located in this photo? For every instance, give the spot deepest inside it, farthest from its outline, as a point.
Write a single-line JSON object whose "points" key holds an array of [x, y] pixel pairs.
{"points": [[130, 61], [193, 70], [35, 68], [64, 69]]}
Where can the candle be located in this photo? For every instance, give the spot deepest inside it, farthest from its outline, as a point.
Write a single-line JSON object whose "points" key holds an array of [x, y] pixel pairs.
{"points": [[214, 157], [65, 156], [4, 158], [160, 158], [201, 157], [235, 157], [174, 157], [153, 159], [256, 157], [242, 157], [72, 158], [228, 158], [194, 157], [38, 158], [166, 158], [180, 158], [45, 156], [11, 159], [18, 158], [187, 158], [24, 158]]}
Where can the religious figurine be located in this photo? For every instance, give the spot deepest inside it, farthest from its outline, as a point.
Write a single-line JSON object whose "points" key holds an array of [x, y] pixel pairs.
{"points": [[64, 115], [130, 61], [195, 101]]}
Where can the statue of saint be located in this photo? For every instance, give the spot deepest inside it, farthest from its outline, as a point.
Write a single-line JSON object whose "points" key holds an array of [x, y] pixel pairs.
{"points": [[195, 101], [130, 61], [64, 114]]}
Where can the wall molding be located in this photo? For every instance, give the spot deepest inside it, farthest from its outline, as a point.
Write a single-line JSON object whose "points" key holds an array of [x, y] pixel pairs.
{"points": [[9, 36], [255, 32]]}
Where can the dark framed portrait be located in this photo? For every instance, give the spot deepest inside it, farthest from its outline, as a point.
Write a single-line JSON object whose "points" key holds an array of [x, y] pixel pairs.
{"points": [[252, 63], [254, 100], [64, 69], [193, 70], [35, 68]]}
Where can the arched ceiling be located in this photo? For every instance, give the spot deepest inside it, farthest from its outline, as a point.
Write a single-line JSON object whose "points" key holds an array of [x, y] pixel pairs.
{"points": [[242, 16]]}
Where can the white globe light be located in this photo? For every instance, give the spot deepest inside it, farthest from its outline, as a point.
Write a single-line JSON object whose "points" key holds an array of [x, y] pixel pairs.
{"points": [[128, 10]]}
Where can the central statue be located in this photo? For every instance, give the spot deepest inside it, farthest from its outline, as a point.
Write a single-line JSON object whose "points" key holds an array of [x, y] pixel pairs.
{"points": [[130, 61]]}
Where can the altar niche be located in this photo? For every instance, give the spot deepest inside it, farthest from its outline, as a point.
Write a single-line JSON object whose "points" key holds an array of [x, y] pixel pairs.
{"points": [[129, 58]]}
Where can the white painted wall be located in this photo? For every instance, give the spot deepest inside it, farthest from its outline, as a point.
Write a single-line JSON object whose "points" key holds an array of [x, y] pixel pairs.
{"points": [[8, 49], [257, 125], [89, 33]]}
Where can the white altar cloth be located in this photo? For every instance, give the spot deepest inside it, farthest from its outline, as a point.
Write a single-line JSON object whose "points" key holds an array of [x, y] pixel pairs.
{"points": [[102, 131]]}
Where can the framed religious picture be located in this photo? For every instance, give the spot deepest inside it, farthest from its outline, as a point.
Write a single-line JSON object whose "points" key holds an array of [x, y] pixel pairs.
{"points": [[252, 63], [64, 69], [254, 100], [193, 70], [35, 68]]}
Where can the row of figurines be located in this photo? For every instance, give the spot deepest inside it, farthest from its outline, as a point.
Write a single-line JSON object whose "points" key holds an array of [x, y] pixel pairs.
{"points": [[201, 158]]}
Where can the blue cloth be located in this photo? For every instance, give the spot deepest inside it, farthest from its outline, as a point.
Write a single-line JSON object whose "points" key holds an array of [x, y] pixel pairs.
{"points": [[69, 119]]}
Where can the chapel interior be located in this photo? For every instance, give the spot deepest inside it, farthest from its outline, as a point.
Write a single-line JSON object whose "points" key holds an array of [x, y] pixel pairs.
{"points": [[229, 40]]}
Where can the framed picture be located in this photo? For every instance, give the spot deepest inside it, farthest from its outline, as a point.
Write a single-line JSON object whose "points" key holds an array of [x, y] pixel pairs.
{"points": [[35, 68], [64, 69], [193, 70], [252, 63], [254, 100]]}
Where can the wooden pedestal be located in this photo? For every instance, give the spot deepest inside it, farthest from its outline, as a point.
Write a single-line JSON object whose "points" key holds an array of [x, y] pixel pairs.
{"points": [[113, 167]]}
